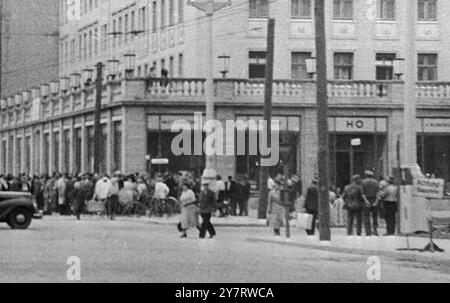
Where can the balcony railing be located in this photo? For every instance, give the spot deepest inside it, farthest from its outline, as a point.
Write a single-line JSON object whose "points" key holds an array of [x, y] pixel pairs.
{"points": [[239, 91]]}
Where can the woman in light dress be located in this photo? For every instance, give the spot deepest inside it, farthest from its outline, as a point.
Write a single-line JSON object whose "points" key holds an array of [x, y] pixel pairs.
{"points": [[276, 208], [189, 210]]}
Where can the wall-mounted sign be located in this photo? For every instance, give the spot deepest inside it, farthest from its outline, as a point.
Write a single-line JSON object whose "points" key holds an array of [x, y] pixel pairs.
{"points": [[435, 125], [428, 188], [357, 125]]}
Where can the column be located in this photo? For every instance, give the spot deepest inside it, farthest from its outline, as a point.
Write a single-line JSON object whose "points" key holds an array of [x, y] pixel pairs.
{"points": [[309, 147]]}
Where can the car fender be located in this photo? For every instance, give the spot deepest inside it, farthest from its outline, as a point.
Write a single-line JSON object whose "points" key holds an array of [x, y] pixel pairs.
{"points": [[7, 206]]}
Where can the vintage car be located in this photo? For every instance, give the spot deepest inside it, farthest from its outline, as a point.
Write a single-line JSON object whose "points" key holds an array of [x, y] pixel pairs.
{"points": [[17, 209]]}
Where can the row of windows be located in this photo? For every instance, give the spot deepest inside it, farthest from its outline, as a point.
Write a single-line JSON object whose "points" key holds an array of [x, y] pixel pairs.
{"points": [[126, 26], [343, 66], [69, 140], [343, 9], [85, 6]]}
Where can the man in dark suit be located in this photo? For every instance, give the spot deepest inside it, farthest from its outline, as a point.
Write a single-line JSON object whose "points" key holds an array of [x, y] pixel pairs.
{"points": [[207, 205], [232, 194], [312, 205]]}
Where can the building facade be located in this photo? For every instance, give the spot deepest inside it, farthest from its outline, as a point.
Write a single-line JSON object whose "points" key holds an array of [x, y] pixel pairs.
{"points": [[54, 131], [29, 44]]}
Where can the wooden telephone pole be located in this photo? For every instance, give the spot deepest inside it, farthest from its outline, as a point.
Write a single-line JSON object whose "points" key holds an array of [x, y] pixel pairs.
{"points": [[97, 125], [322, 122], [264, 170]]}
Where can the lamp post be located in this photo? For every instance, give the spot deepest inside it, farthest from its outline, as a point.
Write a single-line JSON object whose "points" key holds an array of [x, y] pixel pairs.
{"points": [[113, 68], [399, 67], [226, 65], [130, 63], [209, 7]]}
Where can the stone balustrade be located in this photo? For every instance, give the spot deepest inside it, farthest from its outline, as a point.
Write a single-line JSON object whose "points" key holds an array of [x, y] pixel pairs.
{"points": [[239, 91]]}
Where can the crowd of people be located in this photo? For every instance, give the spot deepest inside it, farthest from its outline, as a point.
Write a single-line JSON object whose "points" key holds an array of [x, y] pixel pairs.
{"points": [[362, 203]]}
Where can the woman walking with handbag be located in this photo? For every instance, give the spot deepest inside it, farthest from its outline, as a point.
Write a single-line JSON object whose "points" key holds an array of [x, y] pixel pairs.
{"points": [[189, 210], [276, 208]]}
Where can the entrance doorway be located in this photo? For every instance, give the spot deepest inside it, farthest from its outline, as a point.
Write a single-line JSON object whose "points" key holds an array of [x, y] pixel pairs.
{"points": [[347, 160]]}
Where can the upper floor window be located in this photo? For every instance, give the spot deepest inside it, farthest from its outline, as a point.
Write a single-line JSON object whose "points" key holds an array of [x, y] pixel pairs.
{"points": [[301, 9], [259, 8], [385, 66], [257, 65], [427, 10], [427, 67], [298, 65], [343, 9], [386, 9], [343, 66]]}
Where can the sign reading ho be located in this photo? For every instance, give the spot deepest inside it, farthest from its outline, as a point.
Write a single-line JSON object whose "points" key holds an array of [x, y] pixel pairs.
{"points": [[428, 188]]}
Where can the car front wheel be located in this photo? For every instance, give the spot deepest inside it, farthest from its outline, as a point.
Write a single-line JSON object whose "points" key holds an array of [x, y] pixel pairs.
{"points": [[20, 219]]}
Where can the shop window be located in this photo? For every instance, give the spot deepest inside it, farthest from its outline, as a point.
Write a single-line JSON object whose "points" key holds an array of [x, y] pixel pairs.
{"points": [[66, 155], [77, 150], [56, 145], [427, 67], [117, 149], [19, 155], [257, 65]]}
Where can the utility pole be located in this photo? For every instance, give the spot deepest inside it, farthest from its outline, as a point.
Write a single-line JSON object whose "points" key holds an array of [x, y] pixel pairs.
{"points": [[1, 47], [322, 122], [209, 7], [264, 170], [97, 126]]}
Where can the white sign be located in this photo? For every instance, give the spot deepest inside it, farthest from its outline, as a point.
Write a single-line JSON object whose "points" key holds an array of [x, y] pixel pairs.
{"points": [[436, 125], [160, 161], [357, 124], [428, 188], [356, 142]]}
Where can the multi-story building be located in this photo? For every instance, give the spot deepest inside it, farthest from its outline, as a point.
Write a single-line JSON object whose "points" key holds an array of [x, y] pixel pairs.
{"points": [[366, 102], [29, 44]]}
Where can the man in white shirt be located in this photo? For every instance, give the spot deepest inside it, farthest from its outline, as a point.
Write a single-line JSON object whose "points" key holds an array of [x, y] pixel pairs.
{"points": [[161, 190], [102, 189]]}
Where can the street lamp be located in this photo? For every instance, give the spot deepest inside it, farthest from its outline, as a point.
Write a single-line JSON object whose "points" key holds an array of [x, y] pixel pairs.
{"points": [[35, 92], [209, 7], [3, 104], [226, 65], [399, 67], [311, 66], [10, 101], [75, 81], [64, 83], [26, 96], [45, 90], [87, 77], [113, 68], [130, 63], [18, 99], [54, 88]]}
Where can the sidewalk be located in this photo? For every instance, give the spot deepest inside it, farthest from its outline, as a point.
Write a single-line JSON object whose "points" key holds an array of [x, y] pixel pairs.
{"points": [[368, 246]]}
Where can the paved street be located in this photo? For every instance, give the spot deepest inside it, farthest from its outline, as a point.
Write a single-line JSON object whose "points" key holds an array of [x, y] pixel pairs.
{"points": [[133, 250]]}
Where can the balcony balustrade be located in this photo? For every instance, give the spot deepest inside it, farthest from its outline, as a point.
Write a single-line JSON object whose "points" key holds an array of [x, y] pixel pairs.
{"points": [[234, 91]]}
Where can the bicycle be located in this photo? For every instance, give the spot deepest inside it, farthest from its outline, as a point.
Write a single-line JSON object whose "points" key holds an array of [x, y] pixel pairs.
{"points": [[168, 206]]}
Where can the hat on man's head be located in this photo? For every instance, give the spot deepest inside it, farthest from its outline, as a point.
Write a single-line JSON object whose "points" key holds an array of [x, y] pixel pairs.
{"points": [[369, 173], [356, 177]]}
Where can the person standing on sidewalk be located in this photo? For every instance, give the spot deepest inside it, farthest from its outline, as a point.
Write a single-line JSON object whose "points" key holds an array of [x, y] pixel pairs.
{"points": [[113, 197], [354, 203], [370, 188], [312, 205], [208, 206], [390, 197], [189, 210], [276, 208]]}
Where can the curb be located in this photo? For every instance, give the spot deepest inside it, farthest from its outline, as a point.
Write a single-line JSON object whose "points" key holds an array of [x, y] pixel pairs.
{"points": [[399, 256], [224, 224]]}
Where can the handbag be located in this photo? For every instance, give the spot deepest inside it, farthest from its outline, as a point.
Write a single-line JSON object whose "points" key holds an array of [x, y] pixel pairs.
{"points": [[305, 220], [96, 206]]}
